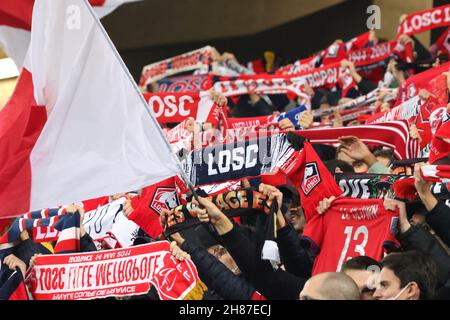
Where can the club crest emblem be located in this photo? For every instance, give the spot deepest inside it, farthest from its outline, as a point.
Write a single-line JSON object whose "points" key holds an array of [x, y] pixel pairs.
{"points": [[311, 178], [164, 198]]}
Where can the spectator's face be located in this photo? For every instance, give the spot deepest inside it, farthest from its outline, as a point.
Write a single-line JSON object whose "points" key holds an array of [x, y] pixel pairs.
{"points": [[360, 167], [389, 287], [417, 219], [384, 160], [297, 218], [325, 106], [364, 280]]}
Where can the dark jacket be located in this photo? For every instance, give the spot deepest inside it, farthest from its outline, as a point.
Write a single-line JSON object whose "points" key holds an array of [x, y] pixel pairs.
{"points": [[271, 284], [439, 220], [296, 258], [417, 238], [28, 248], [87, 244], [244, 108], [217, 276]]}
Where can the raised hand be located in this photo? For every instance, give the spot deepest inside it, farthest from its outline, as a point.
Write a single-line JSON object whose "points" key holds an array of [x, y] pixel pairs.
{"points": [[325, 204]]}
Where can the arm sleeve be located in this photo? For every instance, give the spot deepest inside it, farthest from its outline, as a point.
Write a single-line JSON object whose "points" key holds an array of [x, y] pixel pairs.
{"points": [[217, 276], [439, 220], [295, 257], [87, 244], [271, 284], [417, 238]]}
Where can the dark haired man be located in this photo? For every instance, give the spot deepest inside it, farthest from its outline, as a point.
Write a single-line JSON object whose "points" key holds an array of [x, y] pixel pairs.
{"points": [[409, 275]]}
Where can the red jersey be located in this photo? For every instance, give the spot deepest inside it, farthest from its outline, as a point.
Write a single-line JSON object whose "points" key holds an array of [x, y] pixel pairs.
{"points": [[350, 228]]}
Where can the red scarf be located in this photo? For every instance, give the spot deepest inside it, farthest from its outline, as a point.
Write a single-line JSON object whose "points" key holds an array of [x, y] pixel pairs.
{"points": [[425, 80], [261, 83], [394, 135], [421, 21], [172, 107], [442, 45], [184, 62], [119, 272], [148, 206], [312, 179]]}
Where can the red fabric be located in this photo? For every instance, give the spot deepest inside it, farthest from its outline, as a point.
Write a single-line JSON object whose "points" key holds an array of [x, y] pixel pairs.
{"points": [[405, 188], [93, 204], [440, 148], [147, 207], [371, 55], [421, 21], [334, 53], [97, 2], [16, 14], [358, 42], [257, 296], [233, 123], [16, 287], [424, 80], [298, 66], [312, 180], [350, 228], [21, 122], [442, 45], [3, 224], [169, 107], [257, 66], [393, 134]]}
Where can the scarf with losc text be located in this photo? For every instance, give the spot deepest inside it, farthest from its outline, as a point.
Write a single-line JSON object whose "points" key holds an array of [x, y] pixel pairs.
{"points": [[422, 21], [173, 107]]}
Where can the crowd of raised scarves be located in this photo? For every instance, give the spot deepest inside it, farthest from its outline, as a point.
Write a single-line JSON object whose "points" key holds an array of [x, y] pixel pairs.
{"points": [[326, 178]]}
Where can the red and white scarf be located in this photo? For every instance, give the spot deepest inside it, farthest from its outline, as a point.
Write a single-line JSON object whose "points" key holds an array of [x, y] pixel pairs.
{"points": [[189, 61], [437, 173], [112, 273], [442, 45], [430, 80], [328, 76], [173, 107], [422, 21], [261, 83], [394, 135]]}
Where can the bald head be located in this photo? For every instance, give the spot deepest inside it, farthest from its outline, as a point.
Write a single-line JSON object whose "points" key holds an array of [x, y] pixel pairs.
{"points": [[330, 286]]}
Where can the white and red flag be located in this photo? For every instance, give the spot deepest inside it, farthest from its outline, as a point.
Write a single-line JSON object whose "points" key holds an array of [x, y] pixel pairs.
{"points": [[76, 126], [15, 24]]}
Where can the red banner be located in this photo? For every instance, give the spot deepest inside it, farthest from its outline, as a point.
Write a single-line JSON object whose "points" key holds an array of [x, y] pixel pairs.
{"points": [[425, 20], [177, 106], [112, 273]]}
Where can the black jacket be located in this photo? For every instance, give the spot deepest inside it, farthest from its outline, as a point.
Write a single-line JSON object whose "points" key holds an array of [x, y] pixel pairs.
{"points": [[297, 259], [439, 220], [271, 284], [417, 238], [87, 244], [217, 276]]}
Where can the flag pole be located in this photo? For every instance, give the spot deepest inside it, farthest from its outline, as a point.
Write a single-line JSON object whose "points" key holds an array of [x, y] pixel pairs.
{"points": [[144, 103]]}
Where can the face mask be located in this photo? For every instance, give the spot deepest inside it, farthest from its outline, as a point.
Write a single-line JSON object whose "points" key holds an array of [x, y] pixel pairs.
{"points": [[400, 293]]}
